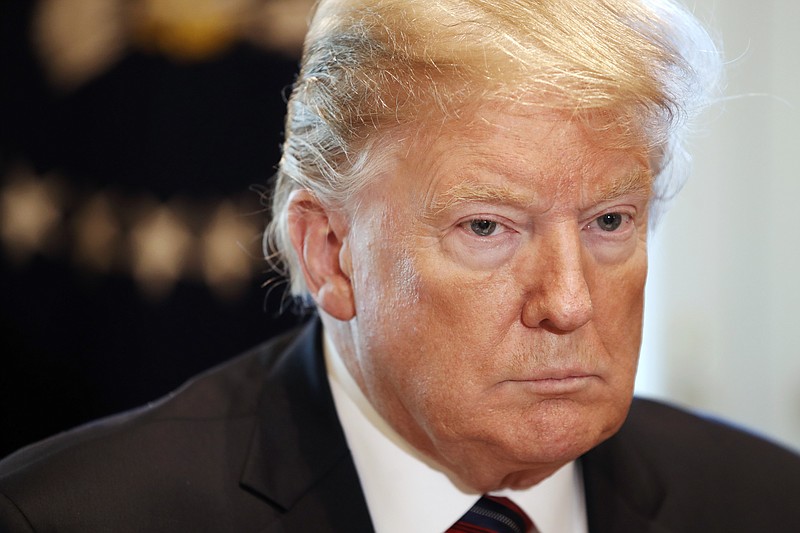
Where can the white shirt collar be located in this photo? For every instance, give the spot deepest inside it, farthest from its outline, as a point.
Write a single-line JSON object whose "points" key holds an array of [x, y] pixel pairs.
{"points": [[395, 477]]}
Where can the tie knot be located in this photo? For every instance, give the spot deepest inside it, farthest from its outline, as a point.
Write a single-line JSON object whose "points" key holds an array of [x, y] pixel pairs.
{"points": [[494, 514]]}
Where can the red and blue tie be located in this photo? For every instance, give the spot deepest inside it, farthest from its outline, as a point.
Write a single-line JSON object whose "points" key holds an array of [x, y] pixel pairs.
{"points": [[494, 514]]}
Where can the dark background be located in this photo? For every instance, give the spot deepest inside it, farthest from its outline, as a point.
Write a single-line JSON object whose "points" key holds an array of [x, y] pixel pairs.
{"points": [[77, 344]]}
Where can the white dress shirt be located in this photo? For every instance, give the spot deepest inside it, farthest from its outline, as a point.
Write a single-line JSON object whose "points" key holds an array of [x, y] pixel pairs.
{"points": [[397, 479]]}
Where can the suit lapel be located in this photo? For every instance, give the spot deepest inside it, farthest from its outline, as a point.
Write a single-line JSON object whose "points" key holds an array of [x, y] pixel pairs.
{"points": [[298, 459], [622, 491]]}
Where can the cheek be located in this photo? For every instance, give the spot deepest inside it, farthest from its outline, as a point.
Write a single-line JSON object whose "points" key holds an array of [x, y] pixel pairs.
{"points": [[460, 347], [392, 311], [473, 310], [386, 279], [618, 302], [618, 289], [438, 321]]}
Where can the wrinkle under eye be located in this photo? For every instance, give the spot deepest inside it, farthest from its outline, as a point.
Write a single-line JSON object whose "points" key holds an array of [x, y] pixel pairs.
{"points": [[482, 228]]}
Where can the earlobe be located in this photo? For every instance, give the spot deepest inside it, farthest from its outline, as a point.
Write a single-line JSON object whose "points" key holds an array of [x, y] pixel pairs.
{"points": [[318, 237]]}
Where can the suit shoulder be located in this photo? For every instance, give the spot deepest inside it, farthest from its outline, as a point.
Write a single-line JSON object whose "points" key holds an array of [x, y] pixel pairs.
{"points": [[675, 432], [717, 461], [182, 446], [229, 390], [694, 474]]}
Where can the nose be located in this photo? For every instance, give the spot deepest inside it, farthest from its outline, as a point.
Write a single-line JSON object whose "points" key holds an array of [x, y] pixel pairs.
{"points": [[558, 297]]}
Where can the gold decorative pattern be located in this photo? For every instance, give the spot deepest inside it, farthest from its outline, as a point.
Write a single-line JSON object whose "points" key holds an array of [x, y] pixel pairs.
{"points": [[161, 242], [77, 40], [215, 242], [225, 263]]}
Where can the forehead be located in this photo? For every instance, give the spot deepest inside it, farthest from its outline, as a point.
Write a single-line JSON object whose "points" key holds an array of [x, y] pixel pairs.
{"points": [[526, 156]]}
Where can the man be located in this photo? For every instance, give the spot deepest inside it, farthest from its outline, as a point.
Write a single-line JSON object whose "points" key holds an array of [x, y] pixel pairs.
{"points": [[465, 195]]}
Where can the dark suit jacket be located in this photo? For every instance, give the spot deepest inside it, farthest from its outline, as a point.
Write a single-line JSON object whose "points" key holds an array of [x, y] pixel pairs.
{"points": [[255, 445]]}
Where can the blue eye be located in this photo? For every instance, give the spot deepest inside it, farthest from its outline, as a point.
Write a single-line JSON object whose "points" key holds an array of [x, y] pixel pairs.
{"points": [[609, 221], [482, 228]]}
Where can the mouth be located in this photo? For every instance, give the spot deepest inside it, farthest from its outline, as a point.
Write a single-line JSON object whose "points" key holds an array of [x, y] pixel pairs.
{"points": [[557, 384]]}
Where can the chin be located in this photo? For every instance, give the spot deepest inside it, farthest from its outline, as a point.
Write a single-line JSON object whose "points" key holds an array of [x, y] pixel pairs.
{"points": [[565, 432]]}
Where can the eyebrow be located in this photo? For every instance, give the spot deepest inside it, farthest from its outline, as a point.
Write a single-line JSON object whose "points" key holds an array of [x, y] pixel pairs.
{"points": [[638, 182], [469, 191]]}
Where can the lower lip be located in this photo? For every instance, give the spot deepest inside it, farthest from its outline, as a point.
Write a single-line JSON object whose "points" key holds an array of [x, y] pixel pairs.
{"points": [[558, 386]]}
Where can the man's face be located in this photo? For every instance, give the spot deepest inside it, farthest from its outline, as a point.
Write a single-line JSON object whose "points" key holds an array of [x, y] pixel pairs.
{"points": [[498, 271]]}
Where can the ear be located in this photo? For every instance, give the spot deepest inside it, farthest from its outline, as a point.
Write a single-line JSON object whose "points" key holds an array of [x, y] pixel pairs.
{"points": [[318, 237]]}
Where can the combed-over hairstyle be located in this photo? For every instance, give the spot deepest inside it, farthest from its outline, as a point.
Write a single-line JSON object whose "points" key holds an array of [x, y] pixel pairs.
{"points": [[641, 68]]}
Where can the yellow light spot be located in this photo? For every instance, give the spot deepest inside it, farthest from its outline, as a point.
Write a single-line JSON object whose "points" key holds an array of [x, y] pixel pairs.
{"points": [[161, 245], [226, 265], [29, 213], [96, 234]]}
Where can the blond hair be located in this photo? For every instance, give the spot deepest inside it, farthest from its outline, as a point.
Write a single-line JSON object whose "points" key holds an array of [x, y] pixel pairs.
{"points": [[644, 66]]}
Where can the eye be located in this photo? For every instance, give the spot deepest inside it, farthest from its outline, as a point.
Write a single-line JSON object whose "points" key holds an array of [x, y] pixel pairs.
{"points": [[610, 221], [482, 228]]}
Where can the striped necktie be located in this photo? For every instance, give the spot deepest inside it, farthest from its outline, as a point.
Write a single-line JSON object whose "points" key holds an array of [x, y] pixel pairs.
{"points": [[494, 514]]}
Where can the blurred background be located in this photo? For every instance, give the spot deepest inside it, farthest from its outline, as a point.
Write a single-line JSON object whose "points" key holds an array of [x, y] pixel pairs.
{"points": [[136, 139], [722, 319]]}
